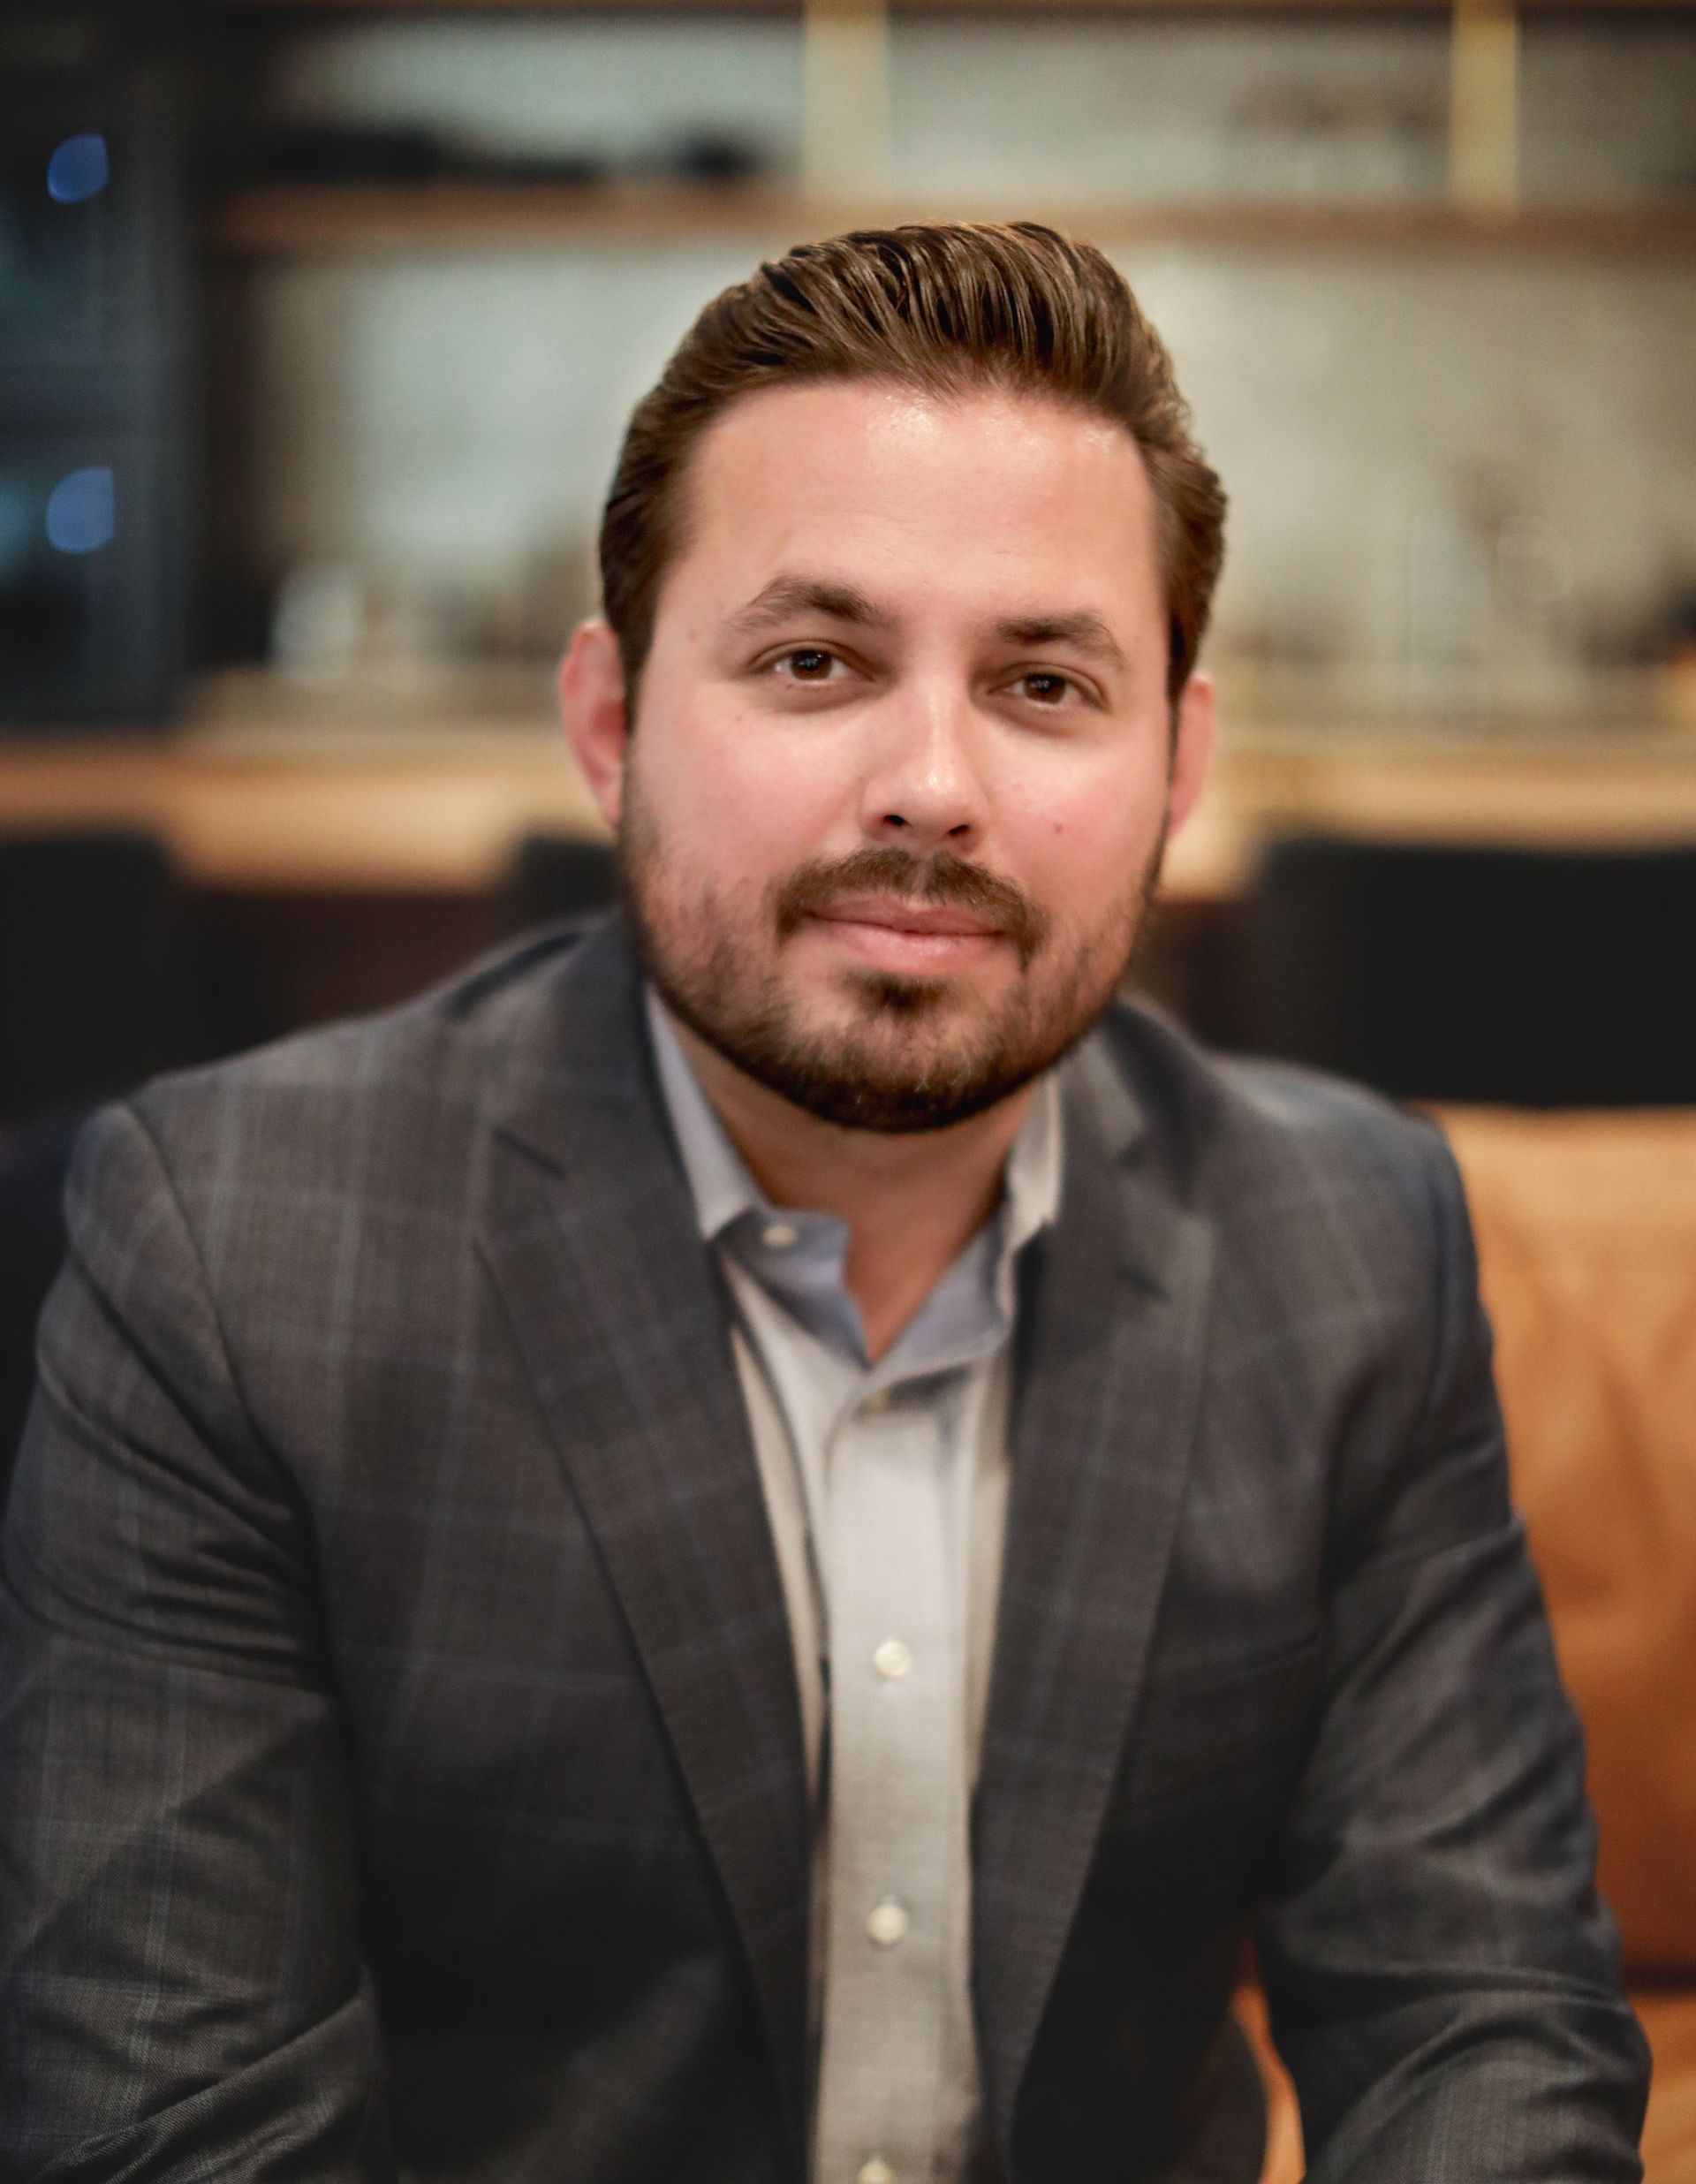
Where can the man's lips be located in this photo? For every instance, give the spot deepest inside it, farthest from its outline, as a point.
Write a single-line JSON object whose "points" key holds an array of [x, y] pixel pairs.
{"points": [[915, 938], [899, 917]]}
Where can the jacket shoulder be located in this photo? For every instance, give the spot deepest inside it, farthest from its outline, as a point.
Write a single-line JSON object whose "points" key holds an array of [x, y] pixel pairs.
{"points": [[1210, 1104], [371, 1105], [435, 1050], [1346, 1278], [1300, 1170]]}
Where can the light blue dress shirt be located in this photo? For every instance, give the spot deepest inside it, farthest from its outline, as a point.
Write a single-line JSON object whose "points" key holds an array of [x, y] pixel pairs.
{"points": [[886, 1485]]}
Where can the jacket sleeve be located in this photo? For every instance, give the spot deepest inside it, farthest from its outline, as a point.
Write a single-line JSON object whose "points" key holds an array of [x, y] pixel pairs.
{"points": [[1442, 1978], [181, 1990]]}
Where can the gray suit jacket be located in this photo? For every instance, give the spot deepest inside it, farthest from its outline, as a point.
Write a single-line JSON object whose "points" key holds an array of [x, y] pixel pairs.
{"points": [[400, 1760]]}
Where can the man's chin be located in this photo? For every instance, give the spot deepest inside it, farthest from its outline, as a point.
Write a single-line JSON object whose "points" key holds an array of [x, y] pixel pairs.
{"points": [[891, 1108], [892, 1011], [886, 1078]]}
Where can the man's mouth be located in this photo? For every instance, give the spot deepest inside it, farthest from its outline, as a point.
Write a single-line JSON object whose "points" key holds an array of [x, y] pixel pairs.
{"points": [[902, 917], [900, 936]]}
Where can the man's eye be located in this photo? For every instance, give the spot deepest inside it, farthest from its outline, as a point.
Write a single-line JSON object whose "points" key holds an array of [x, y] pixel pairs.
{"points": [[1044, 686], [806, 663]]}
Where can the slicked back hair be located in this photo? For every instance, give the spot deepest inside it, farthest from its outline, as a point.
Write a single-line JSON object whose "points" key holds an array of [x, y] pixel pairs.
{"points": [[946, 309]]}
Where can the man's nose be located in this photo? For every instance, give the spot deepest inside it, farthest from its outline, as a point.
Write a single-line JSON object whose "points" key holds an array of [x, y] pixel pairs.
{"points": [[924, 763]]}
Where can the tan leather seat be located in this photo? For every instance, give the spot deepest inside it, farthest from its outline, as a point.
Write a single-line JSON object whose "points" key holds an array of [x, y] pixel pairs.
{"points": [[1586, 1236]]}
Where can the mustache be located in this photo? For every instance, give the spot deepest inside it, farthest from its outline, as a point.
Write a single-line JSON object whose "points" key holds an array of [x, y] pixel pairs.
{"points": [[944, 882]]}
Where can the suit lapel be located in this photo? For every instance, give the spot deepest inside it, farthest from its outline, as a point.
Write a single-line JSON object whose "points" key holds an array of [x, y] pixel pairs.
{"points": [[592, 1239], [1111, 1328]]}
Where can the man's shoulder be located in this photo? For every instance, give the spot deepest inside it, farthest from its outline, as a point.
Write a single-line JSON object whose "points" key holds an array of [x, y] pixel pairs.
{"points": [[1210, 1104], [1270, 1148], [416, 1077]]}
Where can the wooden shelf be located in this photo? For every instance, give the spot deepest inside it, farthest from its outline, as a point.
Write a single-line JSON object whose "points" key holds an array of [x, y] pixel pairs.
{"points": [[284, 222], [439, 816]]}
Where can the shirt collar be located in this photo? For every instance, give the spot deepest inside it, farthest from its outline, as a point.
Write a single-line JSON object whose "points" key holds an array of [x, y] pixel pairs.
{"points": [[724, 1187]]}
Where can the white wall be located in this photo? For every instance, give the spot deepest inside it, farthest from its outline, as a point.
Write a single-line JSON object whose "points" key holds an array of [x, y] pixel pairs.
{"points": [[451, 417]]}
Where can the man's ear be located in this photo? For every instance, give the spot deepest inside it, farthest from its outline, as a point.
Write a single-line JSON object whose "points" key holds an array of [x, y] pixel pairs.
{"points": [[1193, 741], [592, 707]]}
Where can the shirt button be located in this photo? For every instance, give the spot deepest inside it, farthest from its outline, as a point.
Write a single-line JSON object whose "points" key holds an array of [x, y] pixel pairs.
{"points": [[888, 1923], [877, 1400], [893, 1659], [874, 2172], [779, 1235]]}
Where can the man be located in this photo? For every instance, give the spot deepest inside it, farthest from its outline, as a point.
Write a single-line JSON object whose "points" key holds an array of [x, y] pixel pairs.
{"points": [[748, 1545]]}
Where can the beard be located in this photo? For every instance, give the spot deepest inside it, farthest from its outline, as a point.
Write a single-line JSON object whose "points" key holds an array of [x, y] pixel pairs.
{"points": [[912, 1059]]}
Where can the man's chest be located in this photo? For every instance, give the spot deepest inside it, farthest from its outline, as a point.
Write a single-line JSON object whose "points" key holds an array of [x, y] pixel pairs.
{"points": [[501, 1691]]}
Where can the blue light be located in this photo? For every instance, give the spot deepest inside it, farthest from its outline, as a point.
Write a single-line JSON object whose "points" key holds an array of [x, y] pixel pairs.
{"points": [[77, 168], [82, 511]]}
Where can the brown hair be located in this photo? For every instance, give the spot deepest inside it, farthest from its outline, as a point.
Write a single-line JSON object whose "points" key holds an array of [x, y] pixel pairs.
{"points": [[944, 308]]}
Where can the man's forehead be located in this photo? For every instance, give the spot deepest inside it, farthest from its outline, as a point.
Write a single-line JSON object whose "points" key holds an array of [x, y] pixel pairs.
{"points": [[846, 423], [821, 484]]}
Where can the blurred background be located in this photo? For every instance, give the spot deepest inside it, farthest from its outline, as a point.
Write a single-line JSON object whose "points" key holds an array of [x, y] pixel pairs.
{"points": [[319, 324]]}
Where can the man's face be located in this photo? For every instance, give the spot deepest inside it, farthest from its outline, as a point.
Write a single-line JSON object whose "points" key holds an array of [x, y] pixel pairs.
{"points": [[911, 654]]}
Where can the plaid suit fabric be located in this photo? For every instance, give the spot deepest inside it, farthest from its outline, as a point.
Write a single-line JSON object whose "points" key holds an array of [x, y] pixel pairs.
{"points": [[400, 1759]]}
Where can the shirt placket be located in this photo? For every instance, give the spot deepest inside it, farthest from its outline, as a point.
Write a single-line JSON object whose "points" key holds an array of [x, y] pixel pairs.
{"points": [[896, 1810]]}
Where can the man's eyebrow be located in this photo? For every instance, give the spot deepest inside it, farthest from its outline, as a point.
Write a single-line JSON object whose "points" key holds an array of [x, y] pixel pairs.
{"points": [[1084, 633], [786, 597]]}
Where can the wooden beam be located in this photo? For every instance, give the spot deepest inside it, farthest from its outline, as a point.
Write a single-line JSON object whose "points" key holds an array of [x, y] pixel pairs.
{"points": [[1484, 105], [845, 111]]}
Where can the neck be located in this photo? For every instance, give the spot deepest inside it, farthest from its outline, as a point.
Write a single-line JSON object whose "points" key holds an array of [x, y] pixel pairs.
{"points": [[910, 1202]]}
